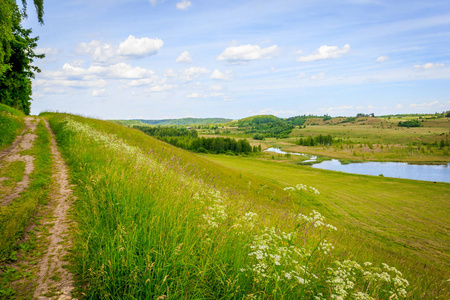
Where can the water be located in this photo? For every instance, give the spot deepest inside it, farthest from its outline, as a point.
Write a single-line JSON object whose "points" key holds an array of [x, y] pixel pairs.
{"points": [[278, 150], [439, 173]]}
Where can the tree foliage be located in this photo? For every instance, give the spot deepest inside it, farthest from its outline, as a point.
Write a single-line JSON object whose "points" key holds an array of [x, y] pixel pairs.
{"points": [[16, 56]]}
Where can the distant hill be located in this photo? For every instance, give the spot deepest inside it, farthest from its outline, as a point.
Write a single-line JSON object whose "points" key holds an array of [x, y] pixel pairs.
{"points": [[183, 121]]}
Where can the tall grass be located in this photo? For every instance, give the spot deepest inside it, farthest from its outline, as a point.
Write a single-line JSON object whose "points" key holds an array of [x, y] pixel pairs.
{"points": [[11, 123], [16, 216], [150, 228]]}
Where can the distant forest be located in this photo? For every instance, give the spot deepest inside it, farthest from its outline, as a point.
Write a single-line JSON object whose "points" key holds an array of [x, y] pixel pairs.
{"points": [[188, 139], [186, 121]]}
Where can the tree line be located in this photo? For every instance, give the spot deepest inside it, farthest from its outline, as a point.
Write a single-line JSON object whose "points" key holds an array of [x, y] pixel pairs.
{"points": [[17, 54], [321, 140], [189, 140]]}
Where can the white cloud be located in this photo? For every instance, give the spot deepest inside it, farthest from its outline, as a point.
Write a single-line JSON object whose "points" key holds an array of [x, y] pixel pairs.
{"points": [[246, 53], [154, 2], [227, 75], [271, 111], [184, 57], [170, 73], [301, 75], [429, 66], [399, 106], [193, 72], [161, 88], [139, 47], [140, 82], [47, 51], [131, 47], [100, 52], [325, 52], [194, 95], [425, 104], [382, 59], [97, 93], [215, 87], [184, 5], [319, 76]]}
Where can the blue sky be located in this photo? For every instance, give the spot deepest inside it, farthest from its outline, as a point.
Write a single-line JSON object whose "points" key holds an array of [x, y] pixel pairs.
{"points": [[156, 59]]}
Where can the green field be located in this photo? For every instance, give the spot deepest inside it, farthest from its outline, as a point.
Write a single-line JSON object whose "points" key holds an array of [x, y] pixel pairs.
{"points": [[404, 222]]}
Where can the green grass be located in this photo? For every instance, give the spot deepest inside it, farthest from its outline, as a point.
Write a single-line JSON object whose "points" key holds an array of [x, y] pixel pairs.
{"points": [[401, 222], [19, 214], [11, 123], [156, 222], [15, 217]]}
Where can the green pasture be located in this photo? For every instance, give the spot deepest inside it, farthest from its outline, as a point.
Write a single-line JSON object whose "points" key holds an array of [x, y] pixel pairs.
{"points": [[402, 222]]}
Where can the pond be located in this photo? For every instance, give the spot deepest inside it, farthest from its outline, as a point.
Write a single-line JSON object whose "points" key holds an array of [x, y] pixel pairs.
{"points": [[438, 173]]}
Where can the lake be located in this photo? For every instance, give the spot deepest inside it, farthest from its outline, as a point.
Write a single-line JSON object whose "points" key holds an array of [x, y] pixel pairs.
{"points": [[438, 173]]}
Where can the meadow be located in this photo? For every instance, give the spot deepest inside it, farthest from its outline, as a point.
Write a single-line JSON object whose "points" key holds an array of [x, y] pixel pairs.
{"points": [[362, 139], [402, 222], [154, 221]]}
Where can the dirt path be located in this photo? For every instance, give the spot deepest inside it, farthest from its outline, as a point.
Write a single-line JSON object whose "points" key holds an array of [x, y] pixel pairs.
{"points": [[23, 142], [55, 281]]}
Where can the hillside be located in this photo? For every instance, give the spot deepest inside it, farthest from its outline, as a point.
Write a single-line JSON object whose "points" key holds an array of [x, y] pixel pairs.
{"points": [[153, 220]]}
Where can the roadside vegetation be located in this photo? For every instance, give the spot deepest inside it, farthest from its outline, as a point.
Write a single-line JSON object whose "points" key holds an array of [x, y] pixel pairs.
{"points": [[11, 124], [19, 214], [158, 222]]}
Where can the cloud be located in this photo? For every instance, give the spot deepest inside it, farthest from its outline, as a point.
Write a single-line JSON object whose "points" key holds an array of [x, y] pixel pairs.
{"points": [[382, 59], [184, 57], [301, 75], [97, 93], [246, 53], [319, 76], [184, 5], [271, 111], [215, 87], [154, 2], [227, 75], [161, 88], [132, 47], [325, 52], [141, 82], [100, 52], [194, 95], [47, 51], [193, 72], [425, 104], [139, 47], [429, 66]]}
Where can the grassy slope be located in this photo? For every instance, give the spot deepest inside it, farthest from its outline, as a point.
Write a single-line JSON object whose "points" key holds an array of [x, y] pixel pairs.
{"points": [[408, 219], [142, 229], [11, 123]]}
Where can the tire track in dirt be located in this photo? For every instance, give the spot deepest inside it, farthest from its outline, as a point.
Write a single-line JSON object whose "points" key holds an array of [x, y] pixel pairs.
{"points": [[23, 142], [55, 281]]}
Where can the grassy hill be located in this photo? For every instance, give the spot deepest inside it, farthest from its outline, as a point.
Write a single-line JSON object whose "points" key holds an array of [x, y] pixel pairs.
{"points": [[157, 221], [11, 123]]}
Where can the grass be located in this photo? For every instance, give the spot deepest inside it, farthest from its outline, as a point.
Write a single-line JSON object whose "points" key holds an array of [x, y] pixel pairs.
{"points": [[401, 222], [16, 217], [157, 222], [11, 123]]}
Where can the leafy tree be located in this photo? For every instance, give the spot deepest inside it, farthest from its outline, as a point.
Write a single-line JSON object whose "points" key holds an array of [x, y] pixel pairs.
{"points": [[15, 82], [17, 55]]}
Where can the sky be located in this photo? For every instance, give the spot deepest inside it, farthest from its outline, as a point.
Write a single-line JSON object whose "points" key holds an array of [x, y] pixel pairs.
{"points": [[156, 59]]}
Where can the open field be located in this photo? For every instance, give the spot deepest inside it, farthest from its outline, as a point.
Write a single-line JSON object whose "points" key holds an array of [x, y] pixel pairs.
{"points": [[404, 222], [366, 139]]}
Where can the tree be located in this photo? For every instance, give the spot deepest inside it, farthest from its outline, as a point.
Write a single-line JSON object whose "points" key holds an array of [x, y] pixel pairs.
{"points": [[15, 80]]}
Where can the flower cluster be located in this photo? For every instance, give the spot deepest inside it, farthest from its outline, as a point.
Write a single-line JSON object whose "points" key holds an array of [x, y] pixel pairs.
{"points": [[275, 258], [316, 220], [350, 279], [302, 187], [215, 212]]}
